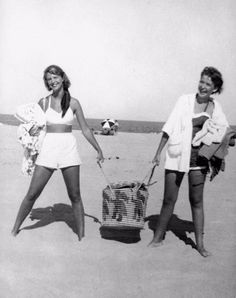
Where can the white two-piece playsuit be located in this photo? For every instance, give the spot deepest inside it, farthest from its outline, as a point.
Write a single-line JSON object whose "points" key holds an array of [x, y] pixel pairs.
{"points": [[59, 149]]}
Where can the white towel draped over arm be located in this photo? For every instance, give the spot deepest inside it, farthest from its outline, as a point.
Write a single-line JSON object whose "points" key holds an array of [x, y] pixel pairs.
{"points": [[31, 112]]}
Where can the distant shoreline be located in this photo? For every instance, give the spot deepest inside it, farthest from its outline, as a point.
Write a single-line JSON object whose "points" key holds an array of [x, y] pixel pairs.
{"points": [[95, 124], [134, 126]]}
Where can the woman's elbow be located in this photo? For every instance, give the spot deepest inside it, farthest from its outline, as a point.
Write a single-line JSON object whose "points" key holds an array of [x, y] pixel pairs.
{"points": [[86, 131]]}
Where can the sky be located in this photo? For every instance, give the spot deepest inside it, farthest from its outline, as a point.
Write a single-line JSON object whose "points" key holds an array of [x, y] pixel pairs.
{"points": [[126, 59]]}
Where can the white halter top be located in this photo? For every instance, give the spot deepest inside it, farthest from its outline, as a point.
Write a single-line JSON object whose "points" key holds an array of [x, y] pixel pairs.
{"points": [[54, 117]]}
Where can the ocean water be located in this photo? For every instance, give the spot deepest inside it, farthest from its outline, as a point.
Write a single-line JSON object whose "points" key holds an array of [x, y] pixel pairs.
{"points": [[95, 124]]}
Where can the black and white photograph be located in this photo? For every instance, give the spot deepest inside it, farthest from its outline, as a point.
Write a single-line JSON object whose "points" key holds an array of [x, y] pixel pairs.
{"points": [[117, 148]]}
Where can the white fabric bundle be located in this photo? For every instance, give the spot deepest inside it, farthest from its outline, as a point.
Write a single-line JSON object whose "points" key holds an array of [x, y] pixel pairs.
{"points": [[30, 134]]}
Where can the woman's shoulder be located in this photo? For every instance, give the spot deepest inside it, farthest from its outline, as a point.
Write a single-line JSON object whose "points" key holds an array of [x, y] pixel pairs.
{"points": [[74, 104], [218, 113], [43, 102], [216, 103], [185, 100], [44, 99], [74, 101], [217, 107]]}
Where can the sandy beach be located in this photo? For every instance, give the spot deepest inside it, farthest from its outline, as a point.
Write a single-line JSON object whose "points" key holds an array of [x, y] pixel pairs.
{"points": [[46, 259]]}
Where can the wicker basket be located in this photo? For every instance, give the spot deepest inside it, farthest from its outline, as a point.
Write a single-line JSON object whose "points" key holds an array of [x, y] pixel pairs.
{"points": [[124, 205]]}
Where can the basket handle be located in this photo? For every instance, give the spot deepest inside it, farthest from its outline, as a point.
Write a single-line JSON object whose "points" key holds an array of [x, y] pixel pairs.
{"points": [[107, 180], [149, 173]]}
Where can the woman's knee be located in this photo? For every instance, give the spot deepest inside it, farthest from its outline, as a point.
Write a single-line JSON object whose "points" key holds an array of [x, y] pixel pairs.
{"points": [[196, 201], [169, 200], [74, 196]]}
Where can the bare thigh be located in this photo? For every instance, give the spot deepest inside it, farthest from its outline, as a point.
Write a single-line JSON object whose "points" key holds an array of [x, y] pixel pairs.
{"points": [[196, 180], [71, 177], [39, 179], [173, 180]]}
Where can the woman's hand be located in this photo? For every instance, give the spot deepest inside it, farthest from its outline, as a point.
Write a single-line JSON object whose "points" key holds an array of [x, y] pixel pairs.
{"points": [[157, 159], [35, 130], [100, 157]]}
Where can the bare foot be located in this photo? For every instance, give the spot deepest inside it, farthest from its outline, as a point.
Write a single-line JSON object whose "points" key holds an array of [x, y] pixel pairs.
{"points": [[15, 233], [203, 252], [155, 244], [81, 237]]}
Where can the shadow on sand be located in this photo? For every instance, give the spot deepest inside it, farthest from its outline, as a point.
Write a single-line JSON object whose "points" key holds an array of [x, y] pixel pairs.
{"points": [[176, 225], [63, 213], [57, 212]]}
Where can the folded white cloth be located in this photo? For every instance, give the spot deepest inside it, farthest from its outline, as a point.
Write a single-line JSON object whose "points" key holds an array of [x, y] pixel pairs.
{"points": [[31, 112], [30, 134], [211, 132]]}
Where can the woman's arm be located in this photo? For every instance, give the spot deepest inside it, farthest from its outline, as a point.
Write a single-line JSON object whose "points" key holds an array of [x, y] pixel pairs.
{"points": [[157, 158], [170, 126], [85, 128]]}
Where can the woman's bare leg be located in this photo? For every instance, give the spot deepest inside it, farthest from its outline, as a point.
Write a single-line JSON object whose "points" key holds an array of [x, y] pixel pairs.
{"points": [[173, 181], [72, 179], [196, 186], [39, 179]]}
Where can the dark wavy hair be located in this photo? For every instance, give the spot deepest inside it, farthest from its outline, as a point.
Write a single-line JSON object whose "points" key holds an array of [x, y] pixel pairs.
{"points": [[215, 76], [56, 70]]}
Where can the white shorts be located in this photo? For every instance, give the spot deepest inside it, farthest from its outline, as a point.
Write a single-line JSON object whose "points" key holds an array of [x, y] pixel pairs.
{"points": [[58, 150]]}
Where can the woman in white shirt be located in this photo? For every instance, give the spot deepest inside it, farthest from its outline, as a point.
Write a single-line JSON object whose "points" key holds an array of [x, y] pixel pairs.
{"points": [[187, 118]]}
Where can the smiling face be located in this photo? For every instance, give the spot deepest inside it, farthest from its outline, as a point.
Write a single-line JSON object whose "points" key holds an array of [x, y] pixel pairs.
{"points": [[54, 82], [205, 87], [55, 78]]}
